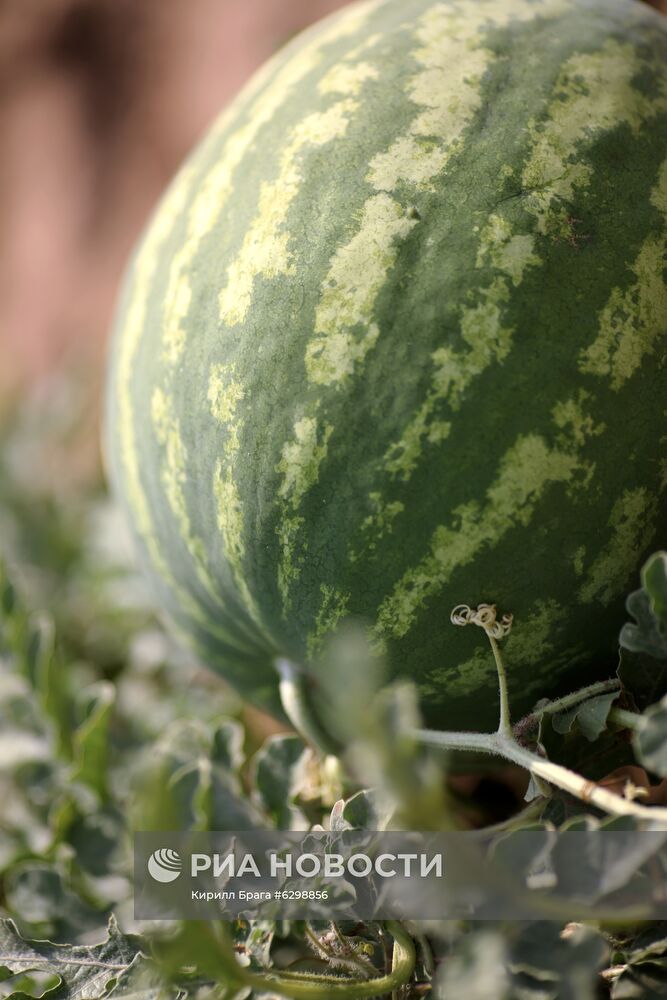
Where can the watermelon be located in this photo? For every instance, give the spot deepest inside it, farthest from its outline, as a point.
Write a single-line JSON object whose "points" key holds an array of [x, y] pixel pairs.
{"points": [[394, 341]]}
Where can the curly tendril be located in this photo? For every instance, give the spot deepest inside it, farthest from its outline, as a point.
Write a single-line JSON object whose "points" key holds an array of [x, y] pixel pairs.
{"points": [[484, 616]]}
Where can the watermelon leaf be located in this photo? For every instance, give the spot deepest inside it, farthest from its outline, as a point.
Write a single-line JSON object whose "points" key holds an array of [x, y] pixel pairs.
{"points": [[277, 767], [590, 716], [643, 677], [654, 578], [29, 985], [644, 974], [478, 967], [88, 971], [45, 902], [534, 960], [91, 738], [547, 963], [650, 739], [648, 607], [369, 809], [642, 979]]}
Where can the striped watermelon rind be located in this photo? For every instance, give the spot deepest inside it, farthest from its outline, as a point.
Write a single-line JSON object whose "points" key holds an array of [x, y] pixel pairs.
{"points": [[394, 341]]}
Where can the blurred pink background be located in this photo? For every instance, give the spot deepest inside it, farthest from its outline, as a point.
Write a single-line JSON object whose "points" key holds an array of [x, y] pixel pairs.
{"points": [[100, 100]]}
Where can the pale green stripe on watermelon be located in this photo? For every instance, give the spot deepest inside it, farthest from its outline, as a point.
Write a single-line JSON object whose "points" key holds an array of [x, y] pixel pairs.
{"points": [[215, 189], [173, 469], [594, 92], [144, 267], [409, 325], [631, 321], [265, 247], [488, 341], [174, 479], [217, 186], [571, 417], [224, 395], [591, 89], [358, 271], [209, 198], [452, 57], [525, 471], [632, 522], [173, 473], [453, 60], [298, 466]]}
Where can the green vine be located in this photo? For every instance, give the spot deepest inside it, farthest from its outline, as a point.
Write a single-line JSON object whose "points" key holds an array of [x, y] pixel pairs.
{"points": [[322, 987]]}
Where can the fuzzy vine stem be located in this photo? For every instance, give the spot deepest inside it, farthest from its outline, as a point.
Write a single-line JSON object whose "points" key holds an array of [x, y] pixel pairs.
{"points": [[575, 697], [625, 719], [315, 987], [347, 959], [504, 723]]}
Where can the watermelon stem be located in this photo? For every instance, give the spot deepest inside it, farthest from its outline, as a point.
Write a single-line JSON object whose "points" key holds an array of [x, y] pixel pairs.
{"points": [[297, 702]]}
